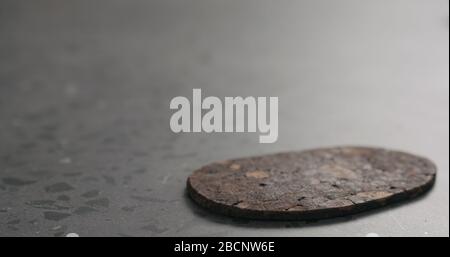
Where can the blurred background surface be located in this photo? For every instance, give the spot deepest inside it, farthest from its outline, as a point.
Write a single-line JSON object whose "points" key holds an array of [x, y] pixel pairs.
{"points": [[85, 86]]}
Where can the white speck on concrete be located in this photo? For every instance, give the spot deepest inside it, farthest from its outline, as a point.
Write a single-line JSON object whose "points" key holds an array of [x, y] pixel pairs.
{"points": [[72, 235], [65, 160], [371, 234], [71, 90], [57, 227], [165, 179], [399, 224]]}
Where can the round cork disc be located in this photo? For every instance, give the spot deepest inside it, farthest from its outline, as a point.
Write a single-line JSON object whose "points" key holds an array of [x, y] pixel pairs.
{"points": [[310, 185]]}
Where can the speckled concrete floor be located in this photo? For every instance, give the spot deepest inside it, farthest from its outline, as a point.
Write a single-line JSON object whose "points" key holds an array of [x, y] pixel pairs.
{"points": [[85, 144]]}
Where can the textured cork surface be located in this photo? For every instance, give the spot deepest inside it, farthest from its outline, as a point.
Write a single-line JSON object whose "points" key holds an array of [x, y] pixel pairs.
{"points": [[313, 184]]}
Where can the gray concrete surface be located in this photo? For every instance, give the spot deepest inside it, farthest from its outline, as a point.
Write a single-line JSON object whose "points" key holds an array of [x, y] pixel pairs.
{"points": [[85, 144]]}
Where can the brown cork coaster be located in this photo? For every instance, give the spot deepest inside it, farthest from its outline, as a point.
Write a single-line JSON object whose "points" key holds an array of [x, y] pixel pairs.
{"points": [[310, 185]]}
